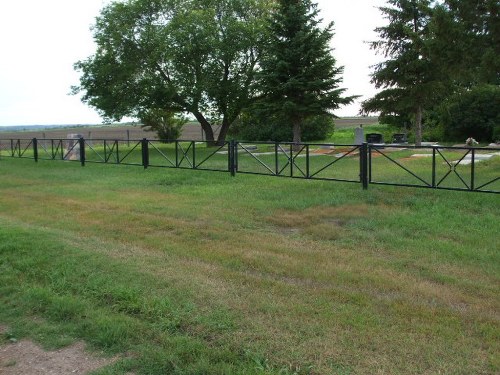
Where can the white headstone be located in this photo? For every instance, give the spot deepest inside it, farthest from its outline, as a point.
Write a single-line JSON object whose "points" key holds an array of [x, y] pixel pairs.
{"points": [[72, 151], [359, 136]]}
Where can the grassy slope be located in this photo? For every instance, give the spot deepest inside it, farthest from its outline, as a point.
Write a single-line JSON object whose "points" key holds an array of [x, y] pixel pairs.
{"points": [[194, 272]]}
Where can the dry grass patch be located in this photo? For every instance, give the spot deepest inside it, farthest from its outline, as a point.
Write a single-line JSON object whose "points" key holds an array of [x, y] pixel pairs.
{"points": [[320, 222]]}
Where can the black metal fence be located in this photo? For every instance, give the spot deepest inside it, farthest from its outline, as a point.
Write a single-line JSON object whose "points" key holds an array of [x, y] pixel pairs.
{"points": [[436, 167]]}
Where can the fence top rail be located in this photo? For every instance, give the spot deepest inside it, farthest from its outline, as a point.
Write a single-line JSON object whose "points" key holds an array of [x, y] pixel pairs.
{"points": [[271, 143], [437, 147], [371, 145], [110, 140], [38, 139], [184, 141]]}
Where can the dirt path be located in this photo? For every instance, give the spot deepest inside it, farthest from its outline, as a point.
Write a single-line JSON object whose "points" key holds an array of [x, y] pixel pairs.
{"points": [[26, 358]]}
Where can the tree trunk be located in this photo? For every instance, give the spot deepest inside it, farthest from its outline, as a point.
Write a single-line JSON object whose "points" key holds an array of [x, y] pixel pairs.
{"points": [[207, 128], [297, 135], [418, 126], [223, 132]]}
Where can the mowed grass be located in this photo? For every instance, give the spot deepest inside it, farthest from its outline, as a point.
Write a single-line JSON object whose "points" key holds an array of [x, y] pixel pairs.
{"points": [[195, 272]]}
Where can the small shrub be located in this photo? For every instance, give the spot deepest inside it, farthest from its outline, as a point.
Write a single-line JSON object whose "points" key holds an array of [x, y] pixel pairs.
{"points": [[165, 123]]}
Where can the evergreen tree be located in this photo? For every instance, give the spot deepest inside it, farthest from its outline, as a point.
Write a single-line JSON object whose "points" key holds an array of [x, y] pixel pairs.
{"points": [[299, 78], [466, 41], [465, 47], [409, 79]]}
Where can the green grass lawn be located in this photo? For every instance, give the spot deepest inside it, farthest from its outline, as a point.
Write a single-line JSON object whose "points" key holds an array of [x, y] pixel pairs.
{"points": [[346, 135], [195, 272]]}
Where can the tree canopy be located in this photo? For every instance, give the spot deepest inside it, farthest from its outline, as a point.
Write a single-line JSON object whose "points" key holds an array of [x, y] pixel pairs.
{"points": [[466, 41], [196, 56]]}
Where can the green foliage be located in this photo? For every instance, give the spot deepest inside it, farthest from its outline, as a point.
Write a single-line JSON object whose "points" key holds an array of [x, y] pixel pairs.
{"points": [[257, 125], [473, 113], [465, 43], [408, 77], [165, 123], [191, 56], [393, 106], [434, 129], [299, 77], [496, 134], [465, 48], [437, 52]]}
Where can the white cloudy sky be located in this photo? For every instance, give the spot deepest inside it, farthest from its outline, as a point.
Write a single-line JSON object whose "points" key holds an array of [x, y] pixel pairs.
{"points": [[40, 41]]}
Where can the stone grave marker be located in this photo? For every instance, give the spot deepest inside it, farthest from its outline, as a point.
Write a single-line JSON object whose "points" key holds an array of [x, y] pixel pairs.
{"points": [[72, 151], [399, 138], [359, 136]]}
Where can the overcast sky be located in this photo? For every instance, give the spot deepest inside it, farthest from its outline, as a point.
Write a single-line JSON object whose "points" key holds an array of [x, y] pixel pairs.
{"points": [[41, 40]]}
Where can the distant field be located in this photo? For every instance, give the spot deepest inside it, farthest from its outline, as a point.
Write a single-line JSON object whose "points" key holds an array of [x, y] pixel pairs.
{"points": [[191, 131]]}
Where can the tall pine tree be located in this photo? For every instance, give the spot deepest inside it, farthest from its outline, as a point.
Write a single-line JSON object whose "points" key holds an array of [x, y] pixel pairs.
{"points": [[299, 77], [408, 78]]}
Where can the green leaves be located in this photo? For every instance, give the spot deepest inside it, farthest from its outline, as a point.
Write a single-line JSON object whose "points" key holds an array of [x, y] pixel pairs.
{"points": [[474, 113], [166, 125], [196, 56]]}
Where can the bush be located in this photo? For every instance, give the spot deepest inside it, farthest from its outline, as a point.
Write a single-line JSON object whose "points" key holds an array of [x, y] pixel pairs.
{"points": [[474, 113], [257, 125], [433, 129], [164, 122], [496, 134]]}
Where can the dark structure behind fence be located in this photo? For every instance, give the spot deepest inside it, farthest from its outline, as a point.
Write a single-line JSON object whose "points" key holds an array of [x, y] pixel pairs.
{"points": [[436, 167]]}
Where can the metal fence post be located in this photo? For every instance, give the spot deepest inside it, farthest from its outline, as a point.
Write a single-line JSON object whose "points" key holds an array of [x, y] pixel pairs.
{"points": [[363, 165], [472, 168], [307, 162], [236, 157], [82, 151], [434, 166], [232, 158], [176, 154], [35, 150], [145, 153], [193, 146], [276, 160]]}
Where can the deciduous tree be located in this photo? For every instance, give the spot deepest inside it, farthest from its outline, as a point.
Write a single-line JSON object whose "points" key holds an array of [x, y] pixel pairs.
{"points": [[196, 56]]}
